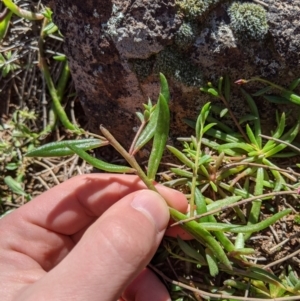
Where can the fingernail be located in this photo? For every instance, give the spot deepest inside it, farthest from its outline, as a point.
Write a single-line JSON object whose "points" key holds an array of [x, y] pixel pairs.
{"points": [[153, 206]]}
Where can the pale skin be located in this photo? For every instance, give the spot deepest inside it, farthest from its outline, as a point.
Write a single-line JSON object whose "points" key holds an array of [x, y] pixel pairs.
{"points": [[87, 239]]}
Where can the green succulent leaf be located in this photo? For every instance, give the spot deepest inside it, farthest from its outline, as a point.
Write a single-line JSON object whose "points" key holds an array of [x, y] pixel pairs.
{"points": [[101, 165], [160, 137], [61, 148]]}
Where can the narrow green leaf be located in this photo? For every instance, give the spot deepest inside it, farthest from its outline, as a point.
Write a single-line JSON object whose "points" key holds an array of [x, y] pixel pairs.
{"points": [[201, 120], [246, 229], [58, 149], [12, 166], [180, 156], [224, 112], [4, 25], [251, 136], [277, 133], [223, 202], [160, 137], [227, 137], [200, 205], [263, 275], [243, 146], [220, 85], [262, 91], [140, 116], [148, 132], [63, 80], [14, 186], [203, 236], [207, 127], [239, 242], [22, 12], [221, 126], [291, 96], [258, 190], [280, 128], [213, 92], [164, 87], [287, 137], [294, 84], [99, 163], [222, 238], [50, 28], [276, 99], [227, 88], [189, 122], [211, 261], [60, 58], [56, 99], [204, 159], [242, 251], [213, 186], [254, 111], [189, 251], [247, 117], [203, 170]]}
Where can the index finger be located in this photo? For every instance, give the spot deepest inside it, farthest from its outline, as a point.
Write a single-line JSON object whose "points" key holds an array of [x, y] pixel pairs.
{"points": [[76, 203]]}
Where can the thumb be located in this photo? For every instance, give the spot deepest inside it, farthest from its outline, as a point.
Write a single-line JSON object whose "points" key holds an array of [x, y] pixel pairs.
{"points": [[110, 254]]}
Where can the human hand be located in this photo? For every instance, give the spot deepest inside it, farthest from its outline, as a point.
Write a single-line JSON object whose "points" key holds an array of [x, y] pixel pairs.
{"points": [[87, 239]]}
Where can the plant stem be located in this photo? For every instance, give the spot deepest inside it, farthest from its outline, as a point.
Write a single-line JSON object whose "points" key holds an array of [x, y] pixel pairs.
{"points": [[142, 126], [236, 204], [53, 92], [129, 158]]}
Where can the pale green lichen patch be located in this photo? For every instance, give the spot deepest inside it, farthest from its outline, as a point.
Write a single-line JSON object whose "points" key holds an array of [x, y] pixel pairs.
{"points": [[176, 65], [248, 20], [194, 9], [186, 35]]}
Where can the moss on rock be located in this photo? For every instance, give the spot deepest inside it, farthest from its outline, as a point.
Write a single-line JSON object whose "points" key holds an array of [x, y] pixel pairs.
{"points": [[248, 20]]}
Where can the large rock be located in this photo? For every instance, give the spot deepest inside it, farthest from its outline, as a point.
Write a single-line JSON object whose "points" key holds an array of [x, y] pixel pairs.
{"points": [[116, 49]]}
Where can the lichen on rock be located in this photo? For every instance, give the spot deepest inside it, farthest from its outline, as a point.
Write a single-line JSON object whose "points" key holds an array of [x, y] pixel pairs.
{"points": [[142, 68], [178, 66], [143, 29], [186, 35], [117, 47], [195, 9], [248, 20]]}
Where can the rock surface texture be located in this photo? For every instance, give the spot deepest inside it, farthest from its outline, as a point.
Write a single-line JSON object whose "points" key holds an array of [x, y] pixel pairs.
{"points": [[117, 47]]}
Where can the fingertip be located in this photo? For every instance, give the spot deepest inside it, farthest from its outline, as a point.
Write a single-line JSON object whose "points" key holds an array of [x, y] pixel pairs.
{"points": [[153, 206], [174, 198], [177, 231], [146, 287]]}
